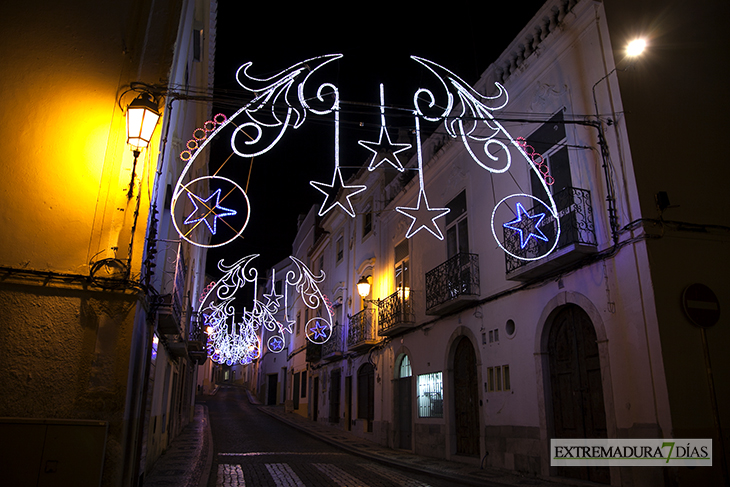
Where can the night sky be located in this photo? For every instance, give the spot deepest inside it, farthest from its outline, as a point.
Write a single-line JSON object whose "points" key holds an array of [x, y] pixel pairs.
{"points": [[376, 45]]}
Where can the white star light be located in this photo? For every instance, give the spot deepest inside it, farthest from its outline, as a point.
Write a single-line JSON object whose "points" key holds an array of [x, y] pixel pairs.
{"points": [[382, 151], [423, 216], [331, 190], [209, 209], [536, 220]]}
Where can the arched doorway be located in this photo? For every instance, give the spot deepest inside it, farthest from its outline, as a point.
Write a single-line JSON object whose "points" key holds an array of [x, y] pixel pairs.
{"points": [[576, 385], [403, 402], [466, 399]]}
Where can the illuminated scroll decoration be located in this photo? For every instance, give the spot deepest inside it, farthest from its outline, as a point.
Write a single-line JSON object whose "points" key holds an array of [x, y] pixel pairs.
{"points": [[384, 150], [279, 102], [235, 335], [469, 118], [318, 329], [422, 215]]}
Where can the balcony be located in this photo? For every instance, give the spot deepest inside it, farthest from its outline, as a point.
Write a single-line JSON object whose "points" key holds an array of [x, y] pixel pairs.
{"points": [[197, 338], [169, 314], [313, 352], [577, 238], [395, 313], [361, 332], [452, 285], [332, 348]]}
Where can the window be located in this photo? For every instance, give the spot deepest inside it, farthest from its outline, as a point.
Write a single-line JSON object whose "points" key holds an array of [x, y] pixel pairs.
{"points": [[405, 367], [197, 44], [457, 229], [430, 396], [402, 269], [498, 379], [367, 222], [299, 321], [340, 248], [549, 141]]}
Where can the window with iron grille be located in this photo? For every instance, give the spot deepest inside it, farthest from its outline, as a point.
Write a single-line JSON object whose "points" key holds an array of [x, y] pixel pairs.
{"points": [[430, 396]]}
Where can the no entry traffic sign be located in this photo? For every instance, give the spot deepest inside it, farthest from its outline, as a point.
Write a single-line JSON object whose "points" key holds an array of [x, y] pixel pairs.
{"points": [[701, 305]]}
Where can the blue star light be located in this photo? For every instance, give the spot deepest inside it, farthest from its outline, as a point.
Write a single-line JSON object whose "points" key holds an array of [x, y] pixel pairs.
{"points": [[276, 344], [535, 221], [319, 331], [208, 210]]}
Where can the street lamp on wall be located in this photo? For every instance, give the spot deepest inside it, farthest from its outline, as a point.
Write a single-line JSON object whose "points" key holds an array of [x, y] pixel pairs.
{"points": [[363, 287], [142, 117]]}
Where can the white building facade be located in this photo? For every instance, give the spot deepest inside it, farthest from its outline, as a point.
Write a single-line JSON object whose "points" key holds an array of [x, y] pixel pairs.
{"points": [[465, 352]]}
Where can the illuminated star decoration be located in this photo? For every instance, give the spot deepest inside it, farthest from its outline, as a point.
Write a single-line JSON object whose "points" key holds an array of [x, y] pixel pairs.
{"points": [[276, 344], [384, 150], [209, 210], [272, 299], [535, 221], [331, 191], [319, 331], [422, 215]]}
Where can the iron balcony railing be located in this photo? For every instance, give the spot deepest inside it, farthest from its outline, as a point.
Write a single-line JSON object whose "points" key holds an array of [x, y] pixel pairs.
{"points": [[395, 311], [333, 346], [361, 330], [575, 214], [458, 276]]}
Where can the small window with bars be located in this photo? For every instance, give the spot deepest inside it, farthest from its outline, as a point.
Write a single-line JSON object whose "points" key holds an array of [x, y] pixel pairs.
{"points": [[430, 396]]}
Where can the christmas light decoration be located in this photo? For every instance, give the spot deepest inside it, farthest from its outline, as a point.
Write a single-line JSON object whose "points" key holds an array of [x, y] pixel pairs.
{"points": [[268, 127], [422, 215], [536, 220], [384, 151], [233, 336], [332, 191], [209, 209], [513, 226], [319, 329], [472, 122]]}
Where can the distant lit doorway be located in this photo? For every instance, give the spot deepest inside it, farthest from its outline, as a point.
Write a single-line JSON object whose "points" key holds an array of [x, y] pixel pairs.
{"points": [[576, 385], [466, 399], [403, 392]]}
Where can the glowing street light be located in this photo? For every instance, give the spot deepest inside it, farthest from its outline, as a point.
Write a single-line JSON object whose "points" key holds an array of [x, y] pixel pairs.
{"points": [[142, 116], [636, 47]]}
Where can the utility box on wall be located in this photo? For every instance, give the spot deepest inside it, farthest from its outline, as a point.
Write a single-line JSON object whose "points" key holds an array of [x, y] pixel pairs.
{"points": [[52, 452]]}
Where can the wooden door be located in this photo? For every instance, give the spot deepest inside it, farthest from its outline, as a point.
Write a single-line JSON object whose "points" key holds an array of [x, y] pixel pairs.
{"points": [[272, 388], [403, 408], [576, 385], [348, 402], [315, 399], [335, 396], [466, 399]]}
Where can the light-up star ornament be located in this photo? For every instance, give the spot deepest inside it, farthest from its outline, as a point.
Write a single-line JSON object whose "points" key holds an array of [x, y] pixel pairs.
{"points": [[318, 331], [332, 190], [423, 216], [216, 210], [534, 221], [272, 299], [384, 150]]}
